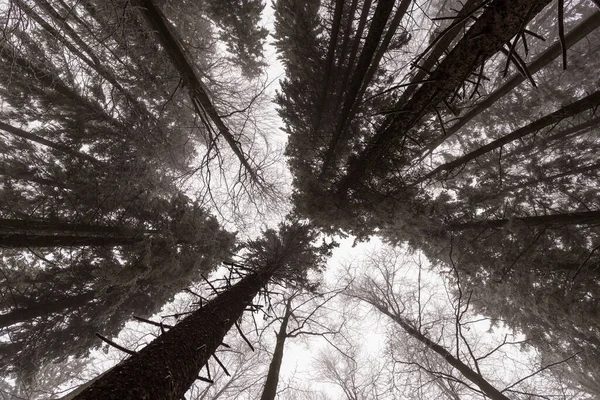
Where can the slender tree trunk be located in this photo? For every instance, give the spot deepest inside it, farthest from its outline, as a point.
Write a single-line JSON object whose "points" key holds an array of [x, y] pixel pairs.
{"points": [[500, 21], [43, 309], [589, 102], [378, 23], [198, 91], [58, 147], [574, 36], [329, 61], [574, 218], [270, 389], [364, 14], [167, 367], [551, 141], [463, 368]]}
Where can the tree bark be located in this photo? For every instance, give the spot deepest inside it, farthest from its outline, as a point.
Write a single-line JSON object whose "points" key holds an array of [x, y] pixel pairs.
{"points": [[587, 103], [40, 310], [167, 367], [270, 389], [463, 368], [500, 21]]}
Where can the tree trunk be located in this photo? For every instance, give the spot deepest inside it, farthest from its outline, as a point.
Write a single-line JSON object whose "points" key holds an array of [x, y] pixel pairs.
{"points": [[198, 91], [500, 21], [329, 61], [378, 23], [40, 310], [167, 367], [574, 218], [589, 102], [463, 368], [442, 45], [270, 389], [574, 36]]}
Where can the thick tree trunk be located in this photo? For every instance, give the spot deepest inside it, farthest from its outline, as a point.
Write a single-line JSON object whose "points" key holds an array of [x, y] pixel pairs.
{"points": [[40, 310], [574, 36], [463, 368], [574, 218], [38, 139], [500, 21], [167, 367], [589, 102], [270, 389]]}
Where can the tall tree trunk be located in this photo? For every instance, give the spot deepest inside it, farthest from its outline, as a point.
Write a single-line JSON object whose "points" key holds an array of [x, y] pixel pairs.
{"points": [[167, 367], [198, 91], [500, 21], [573, 218], [463, 368], [329, 61], [574, 36], [589, 102], [373, 40], [270, 389], [43, 309]]}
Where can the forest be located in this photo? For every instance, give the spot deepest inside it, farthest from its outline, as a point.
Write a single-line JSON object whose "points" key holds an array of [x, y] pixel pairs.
{"points": [[300, 199]]}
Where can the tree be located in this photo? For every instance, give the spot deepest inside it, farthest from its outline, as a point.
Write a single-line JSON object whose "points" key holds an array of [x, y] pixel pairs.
{"points": [[301, 317], [443, 327], [52, 307], [282, 256]]}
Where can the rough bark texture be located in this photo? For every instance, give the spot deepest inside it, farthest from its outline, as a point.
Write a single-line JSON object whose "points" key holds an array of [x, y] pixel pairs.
{"points": [[270, 389], [501, 20], [40, 310], [587, 103], [463, 368], [167, 367]]}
